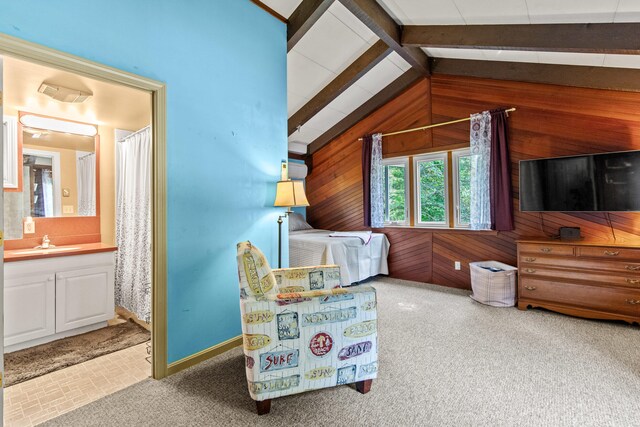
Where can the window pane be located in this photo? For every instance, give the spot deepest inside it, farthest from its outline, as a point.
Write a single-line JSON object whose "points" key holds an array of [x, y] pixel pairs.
{"points": [[464, 187], [432, 191], [395, 200]]}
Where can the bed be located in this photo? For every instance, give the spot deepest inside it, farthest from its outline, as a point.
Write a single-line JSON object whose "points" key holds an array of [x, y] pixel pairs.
{"points": [[357, 260]]}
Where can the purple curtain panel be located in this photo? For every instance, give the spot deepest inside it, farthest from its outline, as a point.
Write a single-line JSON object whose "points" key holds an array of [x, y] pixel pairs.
{"points": [[501, 193]]}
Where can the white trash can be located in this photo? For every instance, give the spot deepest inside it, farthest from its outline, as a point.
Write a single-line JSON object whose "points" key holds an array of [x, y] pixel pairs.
{"points": [[493, 283]]}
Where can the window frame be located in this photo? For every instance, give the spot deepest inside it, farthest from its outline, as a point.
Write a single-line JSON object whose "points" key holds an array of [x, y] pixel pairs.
{"points": [[440, 155], [455, 185], [399, 161]]}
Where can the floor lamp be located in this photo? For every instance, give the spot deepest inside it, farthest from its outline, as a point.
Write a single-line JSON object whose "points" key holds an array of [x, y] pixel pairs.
{"points": [[289, 194]]}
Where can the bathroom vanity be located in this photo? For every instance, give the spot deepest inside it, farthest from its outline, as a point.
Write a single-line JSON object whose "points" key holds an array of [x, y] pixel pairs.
{"points": [[58, 292]]}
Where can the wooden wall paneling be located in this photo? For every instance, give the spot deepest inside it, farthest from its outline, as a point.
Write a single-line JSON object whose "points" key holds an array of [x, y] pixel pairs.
{"points": [[410, 254], [550, 121]]}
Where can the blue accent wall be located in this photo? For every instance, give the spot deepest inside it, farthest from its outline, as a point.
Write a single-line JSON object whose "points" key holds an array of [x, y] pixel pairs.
{"points": [[224, 63]]}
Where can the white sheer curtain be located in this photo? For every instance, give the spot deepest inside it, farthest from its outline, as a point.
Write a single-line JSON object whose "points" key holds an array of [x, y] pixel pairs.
{"points": [[47, 193], [377, 183], [133, 223], [86, 171], [480, 136]]}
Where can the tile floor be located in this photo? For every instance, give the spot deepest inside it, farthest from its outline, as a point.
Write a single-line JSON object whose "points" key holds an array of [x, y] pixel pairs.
{"points": [[40, 399]]}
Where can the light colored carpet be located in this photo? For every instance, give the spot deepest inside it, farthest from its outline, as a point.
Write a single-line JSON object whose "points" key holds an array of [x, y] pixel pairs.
{"points": [[445, 360], [23, 365]]}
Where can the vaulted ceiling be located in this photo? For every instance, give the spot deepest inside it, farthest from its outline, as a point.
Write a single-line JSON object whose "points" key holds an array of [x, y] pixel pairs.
{"points": [[348, 57]]}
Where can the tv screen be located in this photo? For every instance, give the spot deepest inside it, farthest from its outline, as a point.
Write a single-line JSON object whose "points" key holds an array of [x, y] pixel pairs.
{"points": [[589, 183]]}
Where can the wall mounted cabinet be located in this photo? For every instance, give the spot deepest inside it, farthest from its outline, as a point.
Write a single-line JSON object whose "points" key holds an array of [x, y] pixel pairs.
{"points": [[10, 151]]}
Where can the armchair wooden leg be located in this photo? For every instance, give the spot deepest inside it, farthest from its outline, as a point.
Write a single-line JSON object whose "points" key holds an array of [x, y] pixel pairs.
{"points": [[263, 406], [364, 386]]}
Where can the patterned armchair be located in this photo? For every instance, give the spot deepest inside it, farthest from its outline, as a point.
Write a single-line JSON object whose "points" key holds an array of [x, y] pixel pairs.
{"points": [[301, 331]]}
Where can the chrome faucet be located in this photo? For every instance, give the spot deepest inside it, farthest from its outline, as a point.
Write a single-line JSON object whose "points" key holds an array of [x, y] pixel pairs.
{"points": [[45, 243]]}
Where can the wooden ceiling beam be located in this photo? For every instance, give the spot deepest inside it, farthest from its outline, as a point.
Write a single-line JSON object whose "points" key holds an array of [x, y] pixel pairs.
{"points": [[390, 92], [342, 82], [620, 38], [303, 18], [270, 11], [385, 27], [623, 79]]}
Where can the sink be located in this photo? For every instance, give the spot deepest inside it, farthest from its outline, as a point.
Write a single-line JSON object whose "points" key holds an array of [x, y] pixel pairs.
{"points": [[45, 251]]}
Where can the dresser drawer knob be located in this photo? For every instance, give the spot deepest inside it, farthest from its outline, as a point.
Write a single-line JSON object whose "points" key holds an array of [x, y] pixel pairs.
{"points": [[633, 281], [611, 253], [545, 250], [529, 270], [531, 259], [632, 267], [533, 288], [633, 301]]}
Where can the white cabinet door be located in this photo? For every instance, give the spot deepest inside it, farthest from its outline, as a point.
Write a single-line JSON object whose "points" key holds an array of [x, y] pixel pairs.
{"points": [[29, 308], [84, 297]]}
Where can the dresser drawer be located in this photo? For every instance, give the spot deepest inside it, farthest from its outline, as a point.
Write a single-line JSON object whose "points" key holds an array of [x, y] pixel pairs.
{"points": [[580, 264], [603, 278], [611, 300], [608, 252], [533, 248]]}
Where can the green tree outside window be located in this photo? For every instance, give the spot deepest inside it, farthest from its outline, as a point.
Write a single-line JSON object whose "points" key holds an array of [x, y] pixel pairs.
{"points": [[432, 191], [396, 195], [464, 187]]}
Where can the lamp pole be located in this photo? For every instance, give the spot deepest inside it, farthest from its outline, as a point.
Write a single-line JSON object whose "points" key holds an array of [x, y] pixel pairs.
{"points": [[280, 241]]}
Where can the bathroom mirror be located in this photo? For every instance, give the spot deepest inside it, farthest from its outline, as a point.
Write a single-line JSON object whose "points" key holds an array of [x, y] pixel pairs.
{"points": [[58, 178]]}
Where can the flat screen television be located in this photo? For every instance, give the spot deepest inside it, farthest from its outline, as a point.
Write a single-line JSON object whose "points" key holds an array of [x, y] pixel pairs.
{"points": [[604, 182]]}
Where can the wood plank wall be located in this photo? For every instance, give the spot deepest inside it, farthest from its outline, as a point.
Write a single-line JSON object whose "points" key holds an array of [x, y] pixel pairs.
{"points": [[550, 121]]}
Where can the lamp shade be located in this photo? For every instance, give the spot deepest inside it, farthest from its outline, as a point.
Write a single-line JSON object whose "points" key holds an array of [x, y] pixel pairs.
{"points": [[290, 193]]}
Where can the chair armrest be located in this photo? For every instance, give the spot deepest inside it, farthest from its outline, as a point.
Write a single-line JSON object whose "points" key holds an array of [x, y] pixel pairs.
{"points": [[299, 279]]}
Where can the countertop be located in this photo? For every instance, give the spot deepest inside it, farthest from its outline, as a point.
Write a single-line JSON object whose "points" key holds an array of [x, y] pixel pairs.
{"points": [[58, 251]]}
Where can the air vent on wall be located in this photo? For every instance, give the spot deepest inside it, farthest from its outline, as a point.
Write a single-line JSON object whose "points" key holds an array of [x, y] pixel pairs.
{"points": [[64, 94]]}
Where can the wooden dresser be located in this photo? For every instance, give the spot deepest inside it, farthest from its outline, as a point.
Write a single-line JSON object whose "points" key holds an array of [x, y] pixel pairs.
{"points": [[586, 279]]}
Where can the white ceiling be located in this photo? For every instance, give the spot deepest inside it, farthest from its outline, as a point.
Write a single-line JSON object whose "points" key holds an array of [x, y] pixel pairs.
{"points": [[111, 105], [338, 38], [315, 60], [461, 12]]}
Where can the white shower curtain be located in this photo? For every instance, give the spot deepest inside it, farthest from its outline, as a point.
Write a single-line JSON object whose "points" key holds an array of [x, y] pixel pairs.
{"points": [[86, 171], [47, 193], [133, 224]]}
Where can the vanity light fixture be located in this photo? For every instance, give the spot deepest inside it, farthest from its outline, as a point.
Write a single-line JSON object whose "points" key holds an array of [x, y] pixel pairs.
{"points": [[289, 194], [48, 123]]}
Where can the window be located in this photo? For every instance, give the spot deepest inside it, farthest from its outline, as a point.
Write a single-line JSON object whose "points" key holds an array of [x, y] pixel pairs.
{"points": [[431, 173], [439, 188], [396, 184], [461, 160]]}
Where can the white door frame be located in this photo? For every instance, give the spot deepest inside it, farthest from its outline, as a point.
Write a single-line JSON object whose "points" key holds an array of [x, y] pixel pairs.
{"points": [[42, 55], [2, 142]]}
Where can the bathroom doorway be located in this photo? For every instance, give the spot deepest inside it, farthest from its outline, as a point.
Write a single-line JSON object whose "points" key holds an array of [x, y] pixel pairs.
{"points": [[59, 221]]}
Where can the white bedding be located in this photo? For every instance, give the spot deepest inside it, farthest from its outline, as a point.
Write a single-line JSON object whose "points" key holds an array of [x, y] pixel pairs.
{"points": [[356, 260]]}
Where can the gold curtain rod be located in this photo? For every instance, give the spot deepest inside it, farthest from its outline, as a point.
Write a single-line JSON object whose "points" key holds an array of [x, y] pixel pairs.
{"points": [[435, 125]]}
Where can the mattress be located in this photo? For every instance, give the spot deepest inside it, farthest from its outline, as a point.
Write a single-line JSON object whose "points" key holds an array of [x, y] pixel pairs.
{"points": [[357, 261]]}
